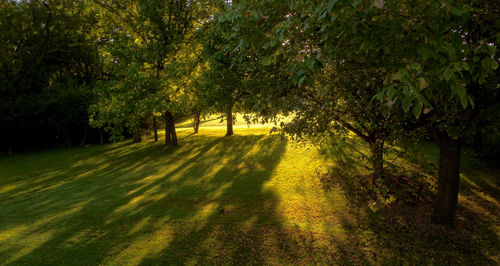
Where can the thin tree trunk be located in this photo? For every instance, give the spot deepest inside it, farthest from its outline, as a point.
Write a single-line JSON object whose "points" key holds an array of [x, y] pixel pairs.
{"points": [[101, 136], [168, 138], [229, 121], [137, 136], [197, 120], [68, 141], [84, 138], [170, 134], [155, 129], [377, 150], [445, 205]]}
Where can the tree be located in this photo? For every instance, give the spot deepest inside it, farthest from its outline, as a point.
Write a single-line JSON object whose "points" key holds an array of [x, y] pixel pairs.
{"points": [[435, 59], [222, 78], [155, 31], [452, 64], [329, 88], [48, 64]]}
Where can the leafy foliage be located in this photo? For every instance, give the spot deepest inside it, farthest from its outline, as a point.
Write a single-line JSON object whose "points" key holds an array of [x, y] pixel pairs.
{"points": [[49, 59]]}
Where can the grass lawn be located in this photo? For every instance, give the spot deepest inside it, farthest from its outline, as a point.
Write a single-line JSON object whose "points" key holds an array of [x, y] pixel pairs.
{"points": [[246, 199]]}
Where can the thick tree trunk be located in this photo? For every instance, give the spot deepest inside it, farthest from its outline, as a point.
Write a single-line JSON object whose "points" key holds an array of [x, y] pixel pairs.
{"points": [[170, 134], [197, 120], [155, 129], [173, 135], [229, 121], [445, 205], [377, 158]]}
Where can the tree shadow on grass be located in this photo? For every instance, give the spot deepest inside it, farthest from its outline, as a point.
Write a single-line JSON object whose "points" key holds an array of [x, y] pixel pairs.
{"points": [[206, 202], [238, 216], [200, 203], [402, 233]]}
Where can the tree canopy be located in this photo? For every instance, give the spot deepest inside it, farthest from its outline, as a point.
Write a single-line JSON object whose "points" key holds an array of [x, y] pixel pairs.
{"points": [[381, 70]]}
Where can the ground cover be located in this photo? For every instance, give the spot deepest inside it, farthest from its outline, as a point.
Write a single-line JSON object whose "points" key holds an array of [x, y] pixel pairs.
{"points": [[253, 198]]}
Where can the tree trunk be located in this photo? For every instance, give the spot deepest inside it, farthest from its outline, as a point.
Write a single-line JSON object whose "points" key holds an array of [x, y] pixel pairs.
{"points": [[229, 117], [137, 136], [101, 136], [84, 138], [448, 180], [155, 129], [196, 124], [377, 158], [170, 134], [68, 141]]}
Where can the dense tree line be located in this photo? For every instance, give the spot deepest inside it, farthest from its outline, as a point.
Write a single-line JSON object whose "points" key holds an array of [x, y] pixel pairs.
{"points": [[49, 61], [378, 69]]}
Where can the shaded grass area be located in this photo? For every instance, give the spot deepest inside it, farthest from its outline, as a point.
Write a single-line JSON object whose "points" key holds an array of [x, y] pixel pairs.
{"points": [[247, 199], [213, 200], [402, 233]]}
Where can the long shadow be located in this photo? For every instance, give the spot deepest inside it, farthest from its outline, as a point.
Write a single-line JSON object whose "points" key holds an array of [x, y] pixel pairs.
{"points": [[402, 233], [66, 190], [206, 203], [243, 215], [204, 193]]}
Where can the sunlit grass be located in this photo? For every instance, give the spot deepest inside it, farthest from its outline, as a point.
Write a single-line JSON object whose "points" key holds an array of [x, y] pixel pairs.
{"points": [[217, 122], [252, 198]]}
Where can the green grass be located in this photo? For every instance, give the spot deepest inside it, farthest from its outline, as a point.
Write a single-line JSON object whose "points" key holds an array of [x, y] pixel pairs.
{"points": [[217, 122], [246, 199]]}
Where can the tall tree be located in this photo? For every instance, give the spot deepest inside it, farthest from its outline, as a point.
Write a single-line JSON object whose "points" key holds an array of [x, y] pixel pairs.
{"points": [[435, 59], [156, 31], [328, 88], [223, 75], [452, 69]]}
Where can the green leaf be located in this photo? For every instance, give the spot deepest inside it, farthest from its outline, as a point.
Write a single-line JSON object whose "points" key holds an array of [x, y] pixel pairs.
{"points": [[266, 61], [301, 80], [355, 3], [423, 83], [403, 73], [417, 109], [392, 92], [407, 101], [465, 66], [460, 90], [489, 63], [310, 63], [494, 65], [416, 66], [447, 74], [426, 53], [330, 5], [464, 102], [462, 94], [323, 13], [492, 50], [485, 63], [379, 95]]}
